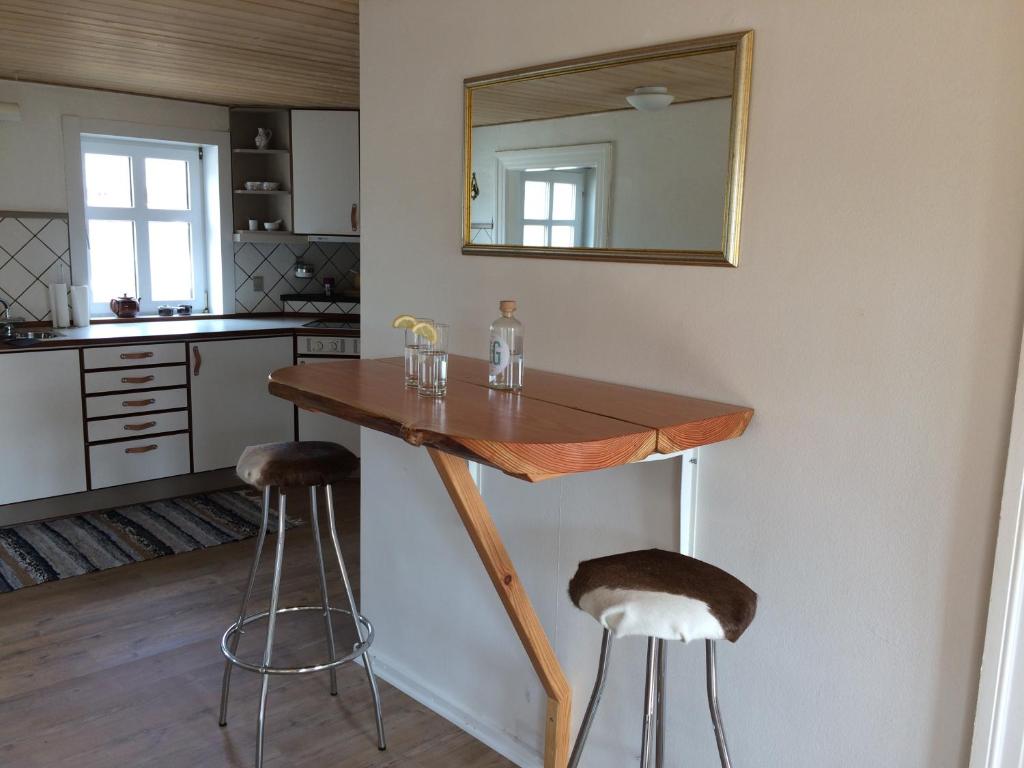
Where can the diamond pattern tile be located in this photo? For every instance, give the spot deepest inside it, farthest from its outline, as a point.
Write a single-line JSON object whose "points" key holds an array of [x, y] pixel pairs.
{"points": [[36, 301], [55, 236], [15, 278], [274, 262], [36, 257], [248, 258], [32, 252], [282, 260], [13, 235], [34, 225]]}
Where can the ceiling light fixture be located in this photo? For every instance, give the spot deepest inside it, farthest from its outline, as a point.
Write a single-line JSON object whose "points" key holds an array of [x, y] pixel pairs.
{"points": [[650, 98]]}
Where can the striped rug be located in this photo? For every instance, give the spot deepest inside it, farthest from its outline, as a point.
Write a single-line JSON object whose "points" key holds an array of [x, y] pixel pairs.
{"points": [[34, 553]]}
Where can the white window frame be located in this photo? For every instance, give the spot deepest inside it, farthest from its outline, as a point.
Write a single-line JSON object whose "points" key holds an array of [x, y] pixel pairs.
{"points": [[216, 144], [599, 157], [517, 220], [141, 216]]}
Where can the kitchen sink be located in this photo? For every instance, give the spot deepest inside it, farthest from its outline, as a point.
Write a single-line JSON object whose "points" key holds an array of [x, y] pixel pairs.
{"points": [[38, 335], [27, 338]]}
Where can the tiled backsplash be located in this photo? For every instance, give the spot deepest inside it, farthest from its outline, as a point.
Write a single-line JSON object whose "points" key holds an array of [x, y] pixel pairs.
{"points": [[33, 249], [275, 264]]}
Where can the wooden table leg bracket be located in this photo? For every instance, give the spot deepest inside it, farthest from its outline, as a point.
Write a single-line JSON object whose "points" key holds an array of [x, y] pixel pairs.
{"points": [[476, 518]]}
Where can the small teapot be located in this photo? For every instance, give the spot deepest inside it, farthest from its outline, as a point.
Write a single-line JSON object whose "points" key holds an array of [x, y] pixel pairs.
{"points": [[263, 138], [125, 306]]}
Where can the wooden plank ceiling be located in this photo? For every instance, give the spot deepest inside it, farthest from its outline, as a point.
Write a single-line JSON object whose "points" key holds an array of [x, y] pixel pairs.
{"points": [[688, 78], [252, 52]]}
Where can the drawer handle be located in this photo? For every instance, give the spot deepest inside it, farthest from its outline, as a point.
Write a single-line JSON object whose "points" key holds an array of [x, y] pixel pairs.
{"points": [[142, 448], [135, 355], [137, 379], [140, 427], [137, 403]]}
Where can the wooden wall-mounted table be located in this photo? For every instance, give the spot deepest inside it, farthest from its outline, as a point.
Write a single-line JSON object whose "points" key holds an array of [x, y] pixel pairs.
{"points": [[558, 425]]}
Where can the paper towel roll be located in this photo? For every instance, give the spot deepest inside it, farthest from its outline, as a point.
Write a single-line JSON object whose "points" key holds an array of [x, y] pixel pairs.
{"points": [[59, 305], [80, 305]]}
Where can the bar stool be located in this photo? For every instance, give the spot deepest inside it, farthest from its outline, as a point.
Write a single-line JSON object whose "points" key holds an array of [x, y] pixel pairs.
{"points": [[663, 596], [296, 465]]}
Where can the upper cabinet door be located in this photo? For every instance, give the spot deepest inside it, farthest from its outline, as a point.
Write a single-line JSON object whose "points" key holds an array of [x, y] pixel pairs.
{"points": [[325, 171]]}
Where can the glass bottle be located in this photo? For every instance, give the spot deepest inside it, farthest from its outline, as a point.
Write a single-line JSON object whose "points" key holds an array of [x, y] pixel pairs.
{"points": [[505, 354]]}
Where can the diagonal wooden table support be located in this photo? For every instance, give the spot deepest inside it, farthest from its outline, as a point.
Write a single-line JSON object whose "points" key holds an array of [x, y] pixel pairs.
{"points": [[454, 472], [559, 425]]}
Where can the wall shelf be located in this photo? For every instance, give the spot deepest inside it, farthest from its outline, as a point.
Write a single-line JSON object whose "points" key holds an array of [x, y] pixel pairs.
{"points": [[251, 164], [263, 236]]}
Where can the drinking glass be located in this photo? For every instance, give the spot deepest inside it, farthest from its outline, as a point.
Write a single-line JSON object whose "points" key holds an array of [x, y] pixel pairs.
{"points": [[412, 348], [433, 364]]}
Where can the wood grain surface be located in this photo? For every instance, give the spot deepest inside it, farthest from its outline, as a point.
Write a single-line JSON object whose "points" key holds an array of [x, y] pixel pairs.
{"points": [[681, 422], [527, 438], [289, 53], [123, 668]]}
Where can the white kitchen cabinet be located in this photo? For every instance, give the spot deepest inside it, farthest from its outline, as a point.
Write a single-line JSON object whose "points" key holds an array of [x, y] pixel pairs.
{"points": [[133, 461], [42, 451], [231, 407], [325, 171], [322, 426]]}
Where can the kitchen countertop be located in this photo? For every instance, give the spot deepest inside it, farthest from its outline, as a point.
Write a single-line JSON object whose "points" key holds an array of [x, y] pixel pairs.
{"points": [[173, 329]]}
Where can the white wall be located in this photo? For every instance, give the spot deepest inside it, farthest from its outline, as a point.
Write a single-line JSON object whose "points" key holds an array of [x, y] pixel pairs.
{"points": [[32, 151], [668, 176], [874, 324]]}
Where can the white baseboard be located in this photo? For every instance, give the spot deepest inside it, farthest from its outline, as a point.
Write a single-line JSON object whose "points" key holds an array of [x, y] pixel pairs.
{"points": [[489, 733]]}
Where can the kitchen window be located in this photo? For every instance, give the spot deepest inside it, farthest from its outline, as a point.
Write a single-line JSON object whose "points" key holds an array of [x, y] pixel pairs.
{"points": [[554, 197], [144, 222], [553, 204]]}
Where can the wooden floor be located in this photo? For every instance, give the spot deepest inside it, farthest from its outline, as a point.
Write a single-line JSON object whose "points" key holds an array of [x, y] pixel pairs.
{"points": [[123, 668]]}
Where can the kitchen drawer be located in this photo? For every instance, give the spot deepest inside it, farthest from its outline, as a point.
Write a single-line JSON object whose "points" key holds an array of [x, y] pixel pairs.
{"points": [[135, 354], [136, 426], [117, 405], [136, 460], [136, 378]]}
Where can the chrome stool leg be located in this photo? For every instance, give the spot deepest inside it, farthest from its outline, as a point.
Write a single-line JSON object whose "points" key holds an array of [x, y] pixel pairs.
{"points": [[381, 743], [226, 683], [323, 587], [716, 716], [649, 692], [271, 622], [595, 699], [659, 711]]}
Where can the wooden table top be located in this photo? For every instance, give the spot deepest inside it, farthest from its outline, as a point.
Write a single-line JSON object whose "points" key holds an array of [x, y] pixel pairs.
{"points": [[557, 425]]}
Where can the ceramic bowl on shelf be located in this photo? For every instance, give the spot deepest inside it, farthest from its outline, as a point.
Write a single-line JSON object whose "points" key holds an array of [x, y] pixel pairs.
{"points": [[270, 186], [252, 186], [272, 226]]}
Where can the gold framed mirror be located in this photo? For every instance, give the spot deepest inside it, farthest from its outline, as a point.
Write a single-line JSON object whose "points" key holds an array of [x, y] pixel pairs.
{"points": [[634, 156]]}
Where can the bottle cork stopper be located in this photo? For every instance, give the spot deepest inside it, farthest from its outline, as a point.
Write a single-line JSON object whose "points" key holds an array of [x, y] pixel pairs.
{"points": [[507, 305]]}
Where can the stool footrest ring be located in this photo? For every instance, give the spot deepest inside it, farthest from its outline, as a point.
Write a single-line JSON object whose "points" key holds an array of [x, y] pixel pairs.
{"points": [[357, 650]]}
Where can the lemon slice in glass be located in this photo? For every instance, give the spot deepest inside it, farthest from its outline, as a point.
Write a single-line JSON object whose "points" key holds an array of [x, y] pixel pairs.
{"points": [[403, 321], [426, 330]]}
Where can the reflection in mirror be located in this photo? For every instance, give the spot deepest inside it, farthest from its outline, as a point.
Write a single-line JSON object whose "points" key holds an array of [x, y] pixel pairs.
{"points": [[640, 153]]}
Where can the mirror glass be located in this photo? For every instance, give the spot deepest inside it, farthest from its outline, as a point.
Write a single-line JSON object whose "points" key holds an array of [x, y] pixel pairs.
{"points": [[628, 156]]}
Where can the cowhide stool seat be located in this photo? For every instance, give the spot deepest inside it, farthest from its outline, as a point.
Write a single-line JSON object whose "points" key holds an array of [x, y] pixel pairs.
{"points": [[311, 465], [663, 596]]}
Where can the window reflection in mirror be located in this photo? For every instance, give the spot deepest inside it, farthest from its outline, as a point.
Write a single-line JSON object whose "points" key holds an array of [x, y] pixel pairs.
{"points": [[637, 154]]}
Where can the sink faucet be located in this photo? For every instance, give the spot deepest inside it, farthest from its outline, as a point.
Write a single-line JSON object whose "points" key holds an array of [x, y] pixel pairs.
{"points": [[7, 324]]}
